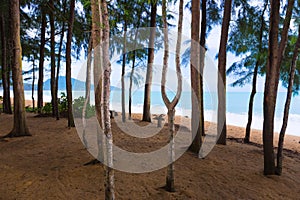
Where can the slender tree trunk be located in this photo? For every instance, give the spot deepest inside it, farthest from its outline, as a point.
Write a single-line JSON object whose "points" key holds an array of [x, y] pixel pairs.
{"points": [[254, 81], [195, 74], [148, 83], [41, 63], [68, 64], [5, 70], [251, 101], [96, 41], [287, 105], [271, 90], [20, 126], [222, 74], [52, 47], [123, 73], [59, 60], [130, 84], [132, 69], [33, 80], [109, 172], [275, 56], [202, 64], [87, 91], [170, 179]]}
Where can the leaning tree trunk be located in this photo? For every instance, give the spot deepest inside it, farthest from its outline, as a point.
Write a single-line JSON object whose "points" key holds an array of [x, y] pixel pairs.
{"points": [[108, 155], [170, 185], [275, 56], [52, 47], [41, 63], [5, 70], [68, 64], [195, 74], [222, 74], [254, 81], [287, 105], [148, 83], [123, 73], [20, 126]]}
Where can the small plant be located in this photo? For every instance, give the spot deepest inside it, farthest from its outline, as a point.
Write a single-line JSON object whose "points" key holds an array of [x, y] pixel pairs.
{"points": [[47, 109], [78, 106], [30, 109], [63, 103]]}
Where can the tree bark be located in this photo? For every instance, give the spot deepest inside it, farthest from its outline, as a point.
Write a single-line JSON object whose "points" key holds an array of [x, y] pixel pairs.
{"points": [[202, 64], [41, 63], [52, 47], [87, 91], [59, 60], [195, 80], [33, 80], [20, 126], [5, 70], [96, 41], [148, 83], [170, 179], [109, 172], [270, 91], [123, 73], [130, 84], [133, 68], [287, 105], [222, 72], [275, 56], [254, 81], [68, 64]]}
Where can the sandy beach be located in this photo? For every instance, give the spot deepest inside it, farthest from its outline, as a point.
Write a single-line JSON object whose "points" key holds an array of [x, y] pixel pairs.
{"points": [[50, 165]]}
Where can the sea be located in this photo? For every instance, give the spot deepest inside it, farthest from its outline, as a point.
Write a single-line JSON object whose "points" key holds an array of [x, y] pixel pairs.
{"points": [[236, 112]]}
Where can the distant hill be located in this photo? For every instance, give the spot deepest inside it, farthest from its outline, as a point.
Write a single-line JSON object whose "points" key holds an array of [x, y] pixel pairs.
{"points": [[76, 84]]}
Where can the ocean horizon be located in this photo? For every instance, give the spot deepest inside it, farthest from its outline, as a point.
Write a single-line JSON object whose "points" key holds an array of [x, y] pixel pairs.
{"points": [[236, 111]]}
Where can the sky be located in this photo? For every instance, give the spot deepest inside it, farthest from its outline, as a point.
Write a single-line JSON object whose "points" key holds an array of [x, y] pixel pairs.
{"points": [[210, 70]]}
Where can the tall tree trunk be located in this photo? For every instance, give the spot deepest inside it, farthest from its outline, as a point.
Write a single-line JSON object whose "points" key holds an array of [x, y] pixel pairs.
{"points": [[202, 64], [130, 83], [254, 81], [96, 42], [271, 90], [170, 179], [133, 68], [33, 80], [123, 73], [148, 83], [59, 59], [109, 172], [5, 70], [52, 47], [195, 74], [275, 56], [222, 74], [87, 90], [41, 63], [287, 105], [20, 126], [68, 64]]}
